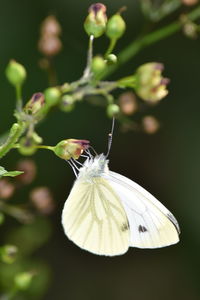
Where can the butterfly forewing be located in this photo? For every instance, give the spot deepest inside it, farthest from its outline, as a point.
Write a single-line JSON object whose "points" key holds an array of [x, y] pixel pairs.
{"points": [[94, 218], [151, 223]]}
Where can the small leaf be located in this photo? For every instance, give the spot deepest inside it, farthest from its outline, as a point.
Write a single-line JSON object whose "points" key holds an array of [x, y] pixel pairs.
{"points": [[3, 172]]}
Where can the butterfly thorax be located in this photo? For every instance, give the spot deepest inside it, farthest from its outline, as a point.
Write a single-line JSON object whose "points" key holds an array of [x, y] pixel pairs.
{"points": [[93, 167]]}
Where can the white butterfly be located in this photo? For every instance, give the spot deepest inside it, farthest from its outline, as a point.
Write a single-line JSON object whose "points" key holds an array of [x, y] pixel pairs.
{"points": [[106, 213]]}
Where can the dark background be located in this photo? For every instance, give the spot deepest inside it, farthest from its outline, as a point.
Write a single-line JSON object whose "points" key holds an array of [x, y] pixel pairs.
{"points": [[167, 163]]}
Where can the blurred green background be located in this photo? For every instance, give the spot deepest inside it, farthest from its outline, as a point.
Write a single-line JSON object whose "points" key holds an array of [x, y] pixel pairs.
{"points": [[167, 163]]}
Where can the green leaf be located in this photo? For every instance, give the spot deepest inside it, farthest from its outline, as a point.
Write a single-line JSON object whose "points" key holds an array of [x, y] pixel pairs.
{"points": [[3, 172]]}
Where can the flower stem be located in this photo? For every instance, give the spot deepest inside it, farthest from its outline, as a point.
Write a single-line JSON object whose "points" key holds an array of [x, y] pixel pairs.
{"points": [[111, 47], [89, 57], [15, 132], [16, 146], [19, 97], [133, 48]]}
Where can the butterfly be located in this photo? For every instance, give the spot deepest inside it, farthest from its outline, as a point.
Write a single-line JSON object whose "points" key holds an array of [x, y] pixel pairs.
{"points": [[106, 213]]}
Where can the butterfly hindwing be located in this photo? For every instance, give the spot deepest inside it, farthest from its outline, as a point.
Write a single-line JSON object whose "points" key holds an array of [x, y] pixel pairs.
{"points": [[151, 223], [94, 218]]}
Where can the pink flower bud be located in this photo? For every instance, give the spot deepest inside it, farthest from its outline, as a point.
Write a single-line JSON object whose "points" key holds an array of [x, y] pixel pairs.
{"points": [[71, 148]]}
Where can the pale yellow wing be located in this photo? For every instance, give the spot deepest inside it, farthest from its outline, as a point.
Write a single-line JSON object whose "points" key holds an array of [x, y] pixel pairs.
{"points": [[94, 218]]}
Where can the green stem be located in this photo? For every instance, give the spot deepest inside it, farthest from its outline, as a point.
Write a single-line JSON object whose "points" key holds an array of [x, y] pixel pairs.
{"points": [[19, 97], [89, 57], [16, 146], [15, 132], [111, 47], [133, 48]]}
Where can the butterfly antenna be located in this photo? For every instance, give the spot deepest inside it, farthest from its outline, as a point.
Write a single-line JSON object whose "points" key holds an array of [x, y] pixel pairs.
{"points": [[110, 137]]}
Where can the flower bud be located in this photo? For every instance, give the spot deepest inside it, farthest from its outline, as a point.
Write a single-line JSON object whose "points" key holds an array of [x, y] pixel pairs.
{"points": [[70, 148], [42, 199], [8, 253], [34, 105], [27, 146], [7, 189], [67, 103], [150, 85], [115, 27], [50, 26], [128, 103], [50, 45], [15, 73], [95, 22], [150, 124], [28, 166], [52, 96], [189, 2], [23, 280], [98, 65], [112, 110], [190, 29], [111, 59]]}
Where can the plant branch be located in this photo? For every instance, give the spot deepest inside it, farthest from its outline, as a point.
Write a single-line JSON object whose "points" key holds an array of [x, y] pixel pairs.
{"points": [[133, 48], [15, 132]]}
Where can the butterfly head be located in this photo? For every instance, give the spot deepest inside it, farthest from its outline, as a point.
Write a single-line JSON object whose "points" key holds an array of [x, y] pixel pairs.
{"points": [[94, 167]]}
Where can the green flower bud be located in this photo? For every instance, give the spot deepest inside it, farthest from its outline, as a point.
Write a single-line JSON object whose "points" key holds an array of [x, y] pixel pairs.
{"points": [[15, 73], [67, 103], [111, 59], [112, 110], [35, 103], [70, 148], [23, 280], [8, 253], [27, 146], [98, 64], [65, 88], [150, 85], [115, 27], [95, 23], [52, 96]]}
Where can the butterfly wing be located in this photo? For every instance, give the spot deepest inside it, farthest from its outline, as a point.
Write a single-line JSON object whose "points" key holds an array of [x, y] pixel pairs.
{"points": [[94, 218], [151, 224]]}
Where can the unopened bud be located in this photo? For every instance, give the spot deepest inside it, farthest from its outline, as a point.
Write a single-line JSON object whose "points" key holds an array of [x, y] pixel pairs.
{"points": [[128, 103], [50, 26], [34, 105], [190, 29], [23, 280], [150, 85], [50, 45], [29, 168], [112, 110], [8, 253], [67, 103], [115, 27], [15, 73], [111, 59], [6, 189], [27, 146], [98, 65], [95, 22], [42, 199], [52, 96], [150, 124], [189, 2], [71, 148]]}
